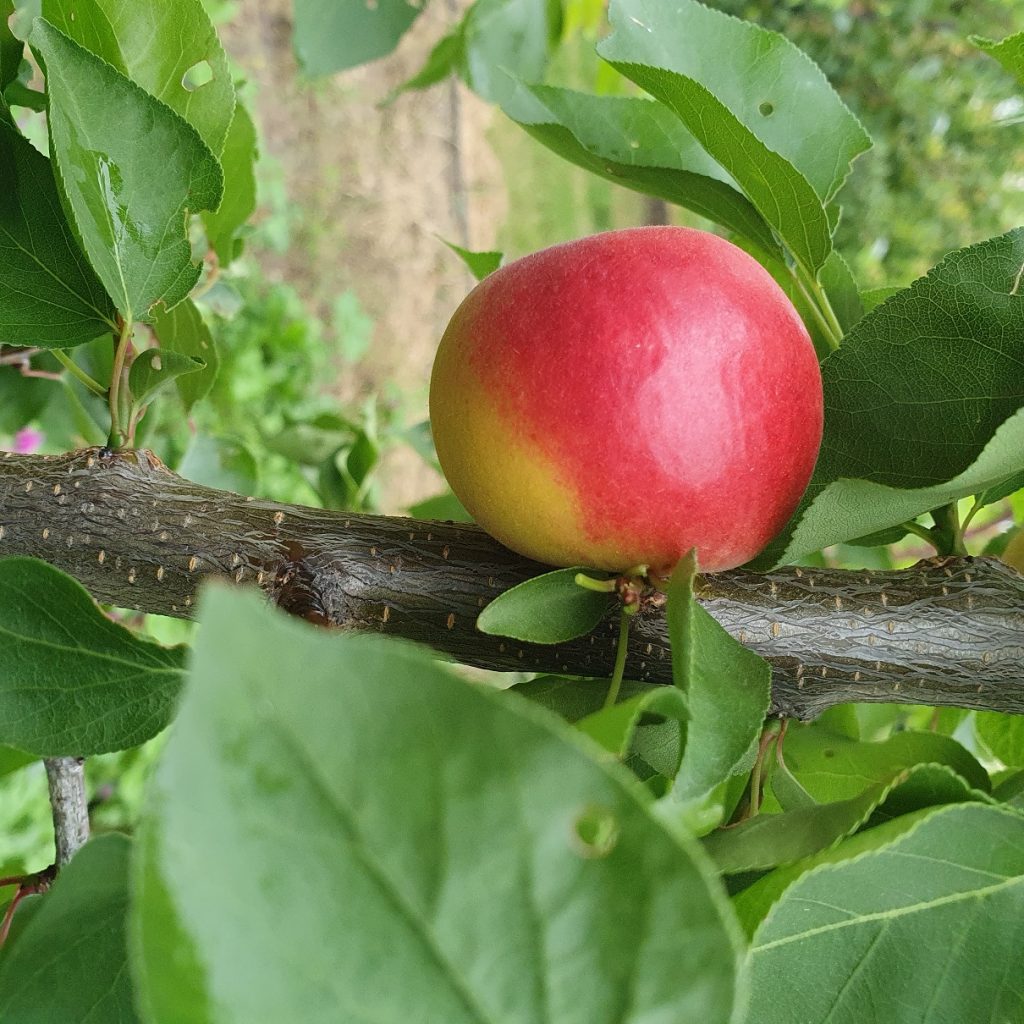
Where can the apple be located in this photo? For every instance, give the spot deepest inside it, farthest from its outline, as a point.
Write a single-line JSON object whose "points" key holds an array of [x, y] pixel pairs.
{"points": [[618, 400]]}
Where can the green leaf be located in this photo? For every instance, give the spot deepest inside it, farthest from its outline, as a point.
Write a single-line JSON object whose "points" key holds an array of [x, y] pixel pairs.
{"points": [[930, 924], [1009, 52], [156, 368], [380, 779], [1003, 735], [767, 840], [755, 102], [753, 902], [615, 727], [238, 161], [547, 609], [13, 760], [223, 463], [872, 297], [480, 263], [728, 689], [184, 332], [447, 57], [647, 747], [130, 201], [841, 289], [641, 145], [48, 294], [575, 697], [74, 682], [11, 49], [157, 45], [443, 507], [506, 40], [333, 35], [922, 403], [22, 399], [70, 962], [832, 767]]}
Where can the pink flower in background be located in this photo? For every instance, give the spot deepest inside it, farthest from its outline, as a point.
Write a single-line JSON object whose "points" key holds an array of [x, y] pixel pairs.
{"points": [[27, 441]]}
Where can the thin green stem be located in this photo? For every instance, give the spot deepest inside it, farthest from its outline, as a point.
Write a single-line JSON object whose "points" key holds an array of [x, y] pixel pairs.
{"points": [[78, 373], [821, 305], [620, 657], [971, 513], [920, 531], [581, 579], [117, 399], [757, 774]]}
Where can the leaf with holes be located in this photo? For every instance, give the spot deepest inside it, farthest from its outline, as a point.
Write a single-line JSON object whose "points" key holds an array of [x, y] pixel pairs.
{"points": [[169, 48], [932, 922], [48, 293], [74, 682], [183, 332], [155, 369], [131, 169], [587, 909], [85, 978], [754, 101]]}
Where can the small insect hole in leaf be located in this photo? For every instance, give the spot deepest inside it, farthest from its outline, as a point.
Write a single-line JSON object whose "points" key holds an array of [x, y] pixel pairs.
{"points": [[197, 76], [595, 832]]}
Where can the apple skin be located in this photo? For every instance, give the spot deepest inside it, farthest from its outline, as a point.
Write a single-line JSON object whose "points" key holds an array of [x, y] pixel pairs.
{"points": [[618, 400]]}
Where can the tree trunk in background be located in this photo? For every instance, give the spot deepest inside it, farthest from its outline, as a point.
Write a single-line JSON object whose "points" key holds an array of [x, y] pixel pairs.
{"points": [[372, 187]]}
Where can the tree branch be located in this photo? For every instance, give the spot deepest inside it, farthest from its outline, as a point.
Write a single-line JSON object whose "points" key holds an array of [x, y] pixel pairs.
{"points": [[136, 535], [66, 779]]}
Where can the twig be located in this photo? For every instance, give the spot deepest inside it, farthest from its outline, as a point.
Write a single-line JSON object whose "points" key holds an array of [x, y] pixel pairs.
{"points": [[66, 778]]}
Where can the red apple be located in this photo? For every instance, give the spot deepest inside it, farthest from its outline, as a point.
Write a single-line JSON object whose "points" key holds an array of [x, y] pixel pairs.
{"points": [[620, 399]]}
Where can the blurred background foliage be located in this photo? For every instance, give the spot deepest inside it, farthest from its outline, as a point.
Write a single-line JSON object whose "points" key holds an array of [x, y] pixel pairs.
{"points": [[327, 322]]}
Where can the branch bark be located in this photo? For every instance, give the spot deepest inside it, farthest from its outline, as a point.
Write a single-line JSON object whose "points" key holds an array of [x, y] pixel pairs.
{"points": [[66, 779], [138, 536]]}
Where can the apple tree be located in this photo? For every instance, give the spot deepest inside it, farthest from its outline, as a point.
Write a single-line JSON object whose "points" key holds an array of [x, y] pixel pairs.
{"points": [[802, 798]]}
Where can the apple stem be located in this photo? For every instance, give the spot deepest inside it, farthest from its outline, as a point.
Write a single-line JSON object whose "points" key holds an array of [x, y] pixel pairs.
{"points": [[628, 611], [589, 583]]}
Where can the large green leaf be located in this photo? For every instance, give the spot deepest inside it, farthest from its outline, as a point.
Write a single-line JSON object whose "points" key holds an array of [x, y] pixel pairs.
{"points": [[332, 35], [928, 929], [728, 689], [69, 965], [459, 855], [238, 161], [755, 102], [156, 45], [131, 169], [48, 293], [73, 681], [923, 402], [641, 145]]}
